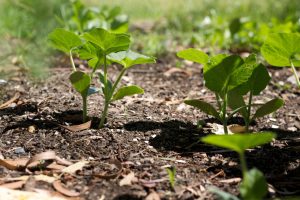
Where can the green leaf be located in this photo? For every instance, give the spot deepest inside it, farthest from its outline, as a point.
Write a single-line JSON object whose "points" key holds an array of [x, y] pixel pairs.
{"points": [[259, 79], [129, 58], [280, 48], [193, 55], [107, 41], [268, 108], [81, 82], [239, 142], [127, 91], [172, 175], [203, 106], [109, 85], [92, 90], [254, 185], [224, 74], [91, 54], [235, 26], [235, 101], [64, 40], [221, 194]]}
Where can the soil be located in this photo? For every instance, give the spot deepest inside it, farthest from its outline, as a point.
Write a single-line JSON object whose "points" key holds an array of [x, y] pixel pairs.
{"points": [[148, 133]]}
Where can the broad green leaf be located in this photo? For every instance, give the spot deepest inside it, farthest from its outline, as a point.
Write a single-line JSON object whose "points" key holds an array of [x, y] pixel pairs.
{"points": [[64, 40], [81, 82], [235, 101], [259, 79], [254, 185], [203, 106], [193, 55], [239, 142], [129, 58], [235, 26], [127, 91], [226, 74], [90, 53], [268, 108], [172, 175], [107, 41], [280, 48], [221, 194]]}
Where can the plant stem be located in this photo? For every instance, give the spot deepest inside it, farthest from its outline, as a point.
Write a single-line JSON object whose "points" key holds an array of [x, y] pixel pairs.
{"points": [[218, 100], [243, 163], [101, 125], [106, 96], [295, 73], [224, 118], [247, 120], [72, 61], [84, 109], [117, 81]]}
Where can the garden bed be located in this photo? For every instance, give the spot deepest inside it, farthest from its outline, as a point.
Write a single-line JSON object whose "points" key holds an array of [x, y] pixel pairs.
{"points": [[147, 133]]}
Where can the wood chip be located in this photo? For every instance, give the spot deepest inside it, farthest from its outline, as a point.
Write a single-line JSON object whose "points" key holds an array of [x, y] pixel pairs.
{"points": [[129, 179], [13, 185], [75, 167]]}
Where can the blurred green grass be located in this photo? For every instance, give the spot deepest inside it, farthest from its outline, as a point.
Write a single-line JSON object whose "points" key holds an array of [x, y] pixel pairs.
{"points": [[26, 23]]}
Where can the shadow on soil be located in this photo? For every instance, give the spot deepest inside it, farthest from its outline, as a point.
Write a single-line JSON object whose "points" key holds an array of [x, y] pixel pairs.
{"points": [[279, 162]]}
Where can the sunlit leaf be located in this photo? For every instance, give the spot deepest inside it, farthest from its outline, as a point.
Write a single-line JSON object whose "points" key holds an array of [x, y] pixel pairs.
{"points": [[107, 41], [280, 48], [194, 55], [64, 40], [81, 82], [129, 58], [239, 142]]}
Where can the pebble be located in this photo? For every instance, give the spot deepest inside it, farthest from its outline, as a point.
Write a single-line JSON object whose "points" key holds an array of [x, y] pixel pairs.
{"points": [[20, 150], [274, 126]]}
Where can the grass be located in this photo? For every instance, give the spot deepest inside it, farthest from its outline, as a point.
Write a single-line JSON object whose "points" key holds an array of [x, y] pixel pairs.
{"points": [[26, 23]]}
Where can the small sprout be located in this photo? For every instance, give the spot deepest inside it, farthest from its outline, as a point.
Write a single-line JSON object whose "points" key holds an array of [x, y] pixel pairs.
{"points": [[254, 185], [283, 49], [172, 176]]}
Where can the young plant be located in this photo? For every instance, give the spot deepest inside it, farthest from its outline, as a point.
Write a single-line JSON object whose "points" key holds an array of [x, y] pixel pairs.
{"points": [[256, 83], [82, 18], [231, 77], [283, 49], [114, 48], [172, 176], [254, 185], [68, 42]]}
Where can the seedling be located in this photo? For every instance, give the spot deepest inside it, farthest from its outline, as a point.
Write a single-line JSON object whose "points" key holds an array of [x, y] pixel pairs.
{"points": [[81, 18], [283, 49], [99, 47], [114, 48], [254, 185], [231, 77], [172, 176]]}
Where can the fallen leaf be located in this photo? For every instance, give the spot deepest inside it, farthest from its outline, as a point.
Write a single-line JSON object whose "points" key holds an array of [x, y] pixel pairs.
{"points": [[18, 164], [13, 185], [173, 70], [58, 186], [12, 100], [128, 179], [105, 175], [76, 128], [75, 167], [36, 160], [219, 129], [9, 194]]}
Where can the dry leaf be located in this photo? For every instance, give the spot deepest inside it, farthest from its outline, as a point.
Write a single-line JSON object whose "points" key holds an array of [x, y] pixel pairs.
{"points": [[58, 186], [128, 179], [231, 180], [13, 185], [6, 104], [76, 128], [9, 194], [75, 167], [219, 130], [153, 196], [173, 70], [105, 175]]}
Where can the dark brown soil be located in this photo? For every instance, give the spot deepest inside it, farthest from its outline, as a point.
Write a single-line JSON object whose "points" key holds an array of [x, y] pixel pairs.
{"points": [[148, 133]]}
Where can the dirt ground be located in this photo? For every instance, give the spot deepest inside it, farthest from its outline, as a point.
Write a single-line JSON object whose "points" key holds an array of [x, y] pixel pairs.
{"points": [[146, 133]]}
